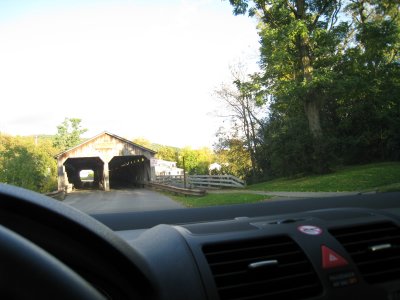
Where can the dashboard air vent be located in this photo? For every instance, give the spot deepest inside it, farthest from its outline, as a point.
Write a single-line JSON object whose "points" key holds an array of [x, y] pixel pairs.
{"points": [[269, 268], [375, 248]]}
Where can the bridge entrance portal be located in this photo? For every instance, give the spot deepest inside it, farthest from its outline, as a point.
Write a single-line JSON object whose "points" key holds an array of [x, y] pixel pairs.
{"points": [[115, 162]]}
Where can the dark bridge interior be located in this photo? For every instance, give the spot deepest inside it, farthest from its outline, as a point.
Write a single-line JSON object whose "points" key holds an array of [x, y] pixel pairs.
{"points": [[124, 171], [73, 166], [128, 171]]}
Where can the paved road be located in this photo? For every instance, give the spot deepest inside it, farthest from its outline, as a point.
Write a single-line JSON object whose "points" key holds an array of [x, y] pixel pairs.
{"points": [[123, 200]]}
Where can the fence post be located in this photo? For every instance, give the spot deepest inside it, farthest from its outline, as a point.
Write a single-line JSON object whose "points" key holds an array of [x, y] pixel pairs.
{"points": [[184, 173]]}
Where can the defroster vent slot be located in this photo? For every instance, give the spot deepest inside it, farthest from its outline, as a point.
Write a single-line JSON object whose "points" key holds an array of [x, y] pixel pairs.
{"points": [[375, 249], [282, 270]]}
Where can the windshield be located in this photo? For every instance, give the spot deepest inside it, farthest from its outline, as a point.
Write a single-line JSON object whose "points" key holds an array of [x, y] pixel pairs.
{"points": [[106, 105]]}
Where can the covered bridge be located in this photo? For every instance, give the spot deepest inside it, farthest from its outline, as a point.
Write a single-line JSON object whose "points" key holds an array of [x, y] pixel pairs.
{"points": [[115, 162]]}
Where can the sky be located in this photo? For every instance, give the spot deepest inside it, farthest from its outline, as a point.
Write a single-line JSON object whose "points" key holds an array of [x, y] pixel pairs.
{"points": [[134, 68]]}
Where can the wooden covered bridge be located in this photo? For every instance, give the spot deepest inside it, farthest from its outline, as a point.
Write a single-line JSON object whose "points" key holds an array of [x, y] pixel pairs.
{"points": [[115, 162]]}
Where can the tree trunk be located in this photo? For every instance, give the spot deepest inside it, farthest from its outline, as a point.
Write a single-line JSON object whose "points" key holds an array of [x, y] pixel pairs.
{"points": [[312, 112], [246, 127], [311, 106]]}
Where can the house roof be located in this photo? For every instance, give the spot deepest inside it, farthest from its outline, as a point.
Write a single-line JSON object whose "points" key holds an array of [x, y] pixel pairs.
{"points": [[110, 134]]}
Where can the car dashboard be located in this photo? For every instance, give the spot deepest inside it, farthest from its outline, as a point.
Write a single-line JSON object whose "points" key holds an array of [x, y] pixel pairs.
{"points": [[337, 248], [325, 254]]}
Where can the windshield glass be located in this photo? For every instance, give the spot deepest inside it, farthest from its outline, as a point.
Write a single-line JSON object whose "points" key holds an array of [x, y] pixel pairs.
{"points": [[107, 104]]}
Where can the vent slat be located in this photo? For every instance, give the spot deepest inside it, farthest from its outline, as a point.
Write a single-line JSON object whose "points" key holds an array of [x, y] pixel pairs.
{"points": [[372, 240], [293, 277], [292, 293], [381, 260], [375, 266], [367, 231], [380, 273], [264, 257], [258, 282], [246, 271]]}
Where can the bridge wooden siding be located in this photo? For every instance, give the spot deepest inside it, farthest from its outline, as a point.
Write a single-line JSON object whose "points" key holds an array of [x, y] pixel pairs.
{"points": [[97, 153]]}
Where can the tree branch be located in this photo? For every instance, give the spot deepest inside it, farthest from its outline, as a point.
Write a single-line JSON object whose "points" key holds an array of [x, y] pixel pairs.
{"points": [[320, 13], [334, 18], [267, 15], [292, 8]]}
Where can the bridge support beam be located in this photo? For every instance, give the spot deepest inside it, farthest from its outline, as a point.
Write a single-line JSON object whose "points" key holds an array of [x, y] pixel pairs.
{"points": [[62, 176], [106, 177]]}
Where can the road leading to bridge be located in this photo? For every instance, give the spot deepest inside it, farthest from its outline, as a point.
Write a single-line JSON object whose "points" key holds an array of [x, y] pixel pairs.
{"points": [[124, 200]]}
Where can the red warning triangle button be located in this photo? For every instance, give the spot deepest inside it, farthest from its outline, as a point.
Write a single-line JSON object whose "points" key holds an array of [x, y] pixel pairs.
{"points": [[330, 259]]}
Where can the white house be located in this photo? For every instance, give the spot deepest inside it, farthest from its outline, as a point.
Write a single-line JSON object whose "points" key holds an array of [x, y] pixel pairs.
{"points": [[214, 167], [165, 167]]}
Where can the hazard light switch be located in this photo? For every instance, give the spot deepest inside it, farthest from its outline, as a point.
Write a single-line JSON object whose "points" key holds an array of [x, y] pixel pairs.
{"points": [[330, 259]]}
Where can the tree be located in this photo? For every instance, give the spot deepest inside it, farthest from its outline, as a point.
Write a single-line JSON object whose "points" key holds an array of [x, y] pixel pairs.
{"points": [[331, 69], [295, 36], [27, 164], [300, 41], [243, 102], [232, 155], [68, 134], [205, 157], [143, 142], [367, 102], [168, 153], [190, 157]]}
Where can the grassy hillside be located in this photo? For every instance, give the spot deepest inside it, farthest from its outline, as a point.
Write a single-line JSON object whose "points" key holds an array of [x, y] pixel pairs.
{"points": [[379, 177]]}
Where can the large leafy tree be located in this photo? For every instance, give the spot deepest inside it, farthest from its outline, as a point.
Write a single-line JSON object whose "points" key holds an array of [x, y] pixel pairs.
{"points": [[167, 153], [191, 157], [69, 133], [243, 103], [331, 69], [27, 164], [232, 155], [205, 157], [367, 106], [143, 142], [297, 38]]}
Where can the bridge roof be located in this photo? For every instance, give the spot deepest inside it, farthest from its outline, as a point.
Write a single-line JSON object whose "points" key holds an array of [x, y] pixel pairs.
{"points": [[109, 134]]}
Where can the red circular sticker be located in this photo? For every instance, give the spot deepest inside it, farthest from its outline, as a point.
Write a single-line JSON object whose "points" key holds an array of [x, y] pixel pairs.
{"points": [[310, 230]]}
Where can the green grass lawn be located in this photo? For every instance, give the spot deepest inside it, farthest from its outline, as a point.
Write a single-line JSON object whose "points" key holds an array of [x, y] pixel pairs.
{"points": [[380, 177], [395, 187], [218, 199]]}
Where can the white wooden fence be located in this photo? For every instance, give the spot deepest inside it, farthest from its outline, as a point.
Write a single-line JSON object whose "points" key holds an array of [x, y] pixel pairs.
{"points": [[170, 179], [216, 181], [176, 190], [202, 181]]}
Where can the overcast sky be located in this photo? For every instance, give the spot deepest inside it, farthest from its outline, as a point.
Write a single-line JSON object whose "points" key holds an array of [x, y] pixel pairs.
{"points": [[134, 68]]}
